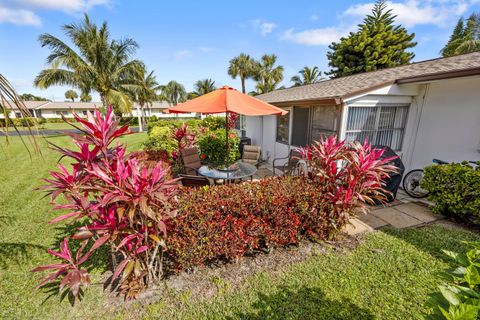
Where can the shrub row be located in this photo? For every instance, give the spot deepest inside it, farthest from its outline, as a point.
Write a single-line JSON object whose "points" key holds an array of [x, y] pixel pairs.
{"points": [[18, 122], [455, 189], [229, 221]]}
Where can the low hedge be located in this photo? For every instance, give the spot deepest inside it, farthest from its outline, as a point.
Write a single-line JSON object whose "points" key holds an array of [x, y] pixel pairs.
{"points": [[455, 189], [230, 221], [18, 122]]}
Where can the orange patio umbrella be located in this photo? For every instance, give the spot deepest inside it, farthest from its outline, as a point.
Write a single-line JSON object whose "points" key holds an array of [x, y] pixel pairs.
{"points": [[225, 100]]}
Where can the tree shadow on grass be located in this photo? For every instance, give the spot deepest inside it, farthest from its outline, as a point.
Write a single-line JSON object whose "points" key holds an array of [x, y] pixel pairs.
{"points": [[17, 253], [432, 239], [100, 258], [304, 303]]}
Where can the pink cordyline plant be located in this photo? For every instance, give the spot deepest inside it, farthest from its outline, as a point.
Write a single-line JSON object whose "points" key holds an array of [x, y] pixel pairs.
{"points": [[185, 139], [348, 175], [119, 202]]}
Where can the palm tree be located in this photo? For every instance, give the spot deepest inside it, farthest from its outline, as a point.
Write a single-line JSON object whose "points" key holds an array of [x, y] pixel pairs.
{"points": [[173, 92], [465, 37], [267, 75], [202, 87], [85, 97], [307, 76], [71, 94], [95, 63], [146, 92], [243, 67]]}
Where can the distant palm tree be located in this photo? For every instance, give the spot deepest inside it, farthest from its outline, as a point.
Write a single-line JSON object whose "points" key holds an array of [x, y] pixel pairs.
{"points": [[267, 75], [98, 63], [241, 66], [145, 93], [173, 92], [85, 97], [202, 87], [307, 76], [465, 37], [71, 94]]}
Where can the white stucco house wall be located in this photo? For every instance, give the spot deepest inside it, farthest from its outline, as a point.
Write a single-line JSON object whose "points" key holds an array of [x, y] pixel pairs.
{"points": [[425, 110]]}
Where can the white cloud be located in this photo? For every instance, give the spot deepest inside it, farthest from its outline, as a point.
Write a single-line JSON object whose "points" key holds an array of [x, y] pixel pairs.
{"points": [[315, 37], [414, 12], [409, 13], [69, 6], [22, 12], [265, 27], [19, 17], [182, 54]]}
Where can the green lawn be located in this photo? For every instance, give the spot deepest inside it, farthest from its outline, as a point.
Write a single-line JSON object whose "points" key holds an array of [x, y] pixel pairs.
{"points": [[388, 276]]}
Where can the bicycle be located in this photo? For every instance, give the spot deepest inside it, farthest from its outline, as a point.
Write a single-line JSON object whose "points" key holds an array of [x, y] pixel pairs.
{"points": [[411, 181]]}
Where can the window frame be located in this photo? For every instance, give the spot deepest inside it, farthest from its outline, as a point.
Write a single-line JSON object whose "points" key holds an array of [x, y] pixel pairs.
{"points": [[289, 126], [376, 129]]}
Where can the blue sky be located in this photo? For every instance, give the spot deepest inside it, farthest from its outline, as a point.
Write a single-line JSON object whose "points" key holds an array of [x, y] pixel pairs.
{"points": [[191, 40]]}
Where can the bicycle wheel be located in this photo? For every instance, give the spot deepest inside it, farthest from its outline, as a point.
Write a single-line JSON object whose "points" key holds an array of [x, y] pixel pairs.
{"points": [[411, 184]]}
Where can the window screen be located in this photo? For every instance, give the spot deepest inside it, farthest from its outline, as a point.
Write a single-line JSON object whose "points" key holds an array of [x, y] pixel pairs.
{"points": [[283, 124], [382, 125]]}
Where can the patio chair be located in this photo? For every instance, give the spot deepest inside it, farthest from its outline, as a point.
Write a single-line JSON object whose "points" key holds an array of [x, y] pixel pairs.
{"points": [[251, 155], [194, 181], [290, 167], [191, 161]]}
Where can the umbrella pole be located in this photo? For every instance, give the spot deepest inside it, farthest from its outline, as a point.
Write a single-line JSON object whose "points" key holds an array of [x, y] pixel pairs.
{"points": [[226, 139]]}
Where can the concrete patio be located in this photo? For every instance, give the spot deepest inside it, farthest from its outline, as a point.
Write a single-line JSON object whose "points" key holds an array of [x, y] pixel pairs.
{"points": [[402, 213]]}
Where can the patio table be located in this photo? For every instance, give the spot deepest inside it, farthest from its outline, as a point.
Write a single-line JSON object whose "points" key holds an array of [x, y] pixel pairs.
{"points": [[244, 170]]}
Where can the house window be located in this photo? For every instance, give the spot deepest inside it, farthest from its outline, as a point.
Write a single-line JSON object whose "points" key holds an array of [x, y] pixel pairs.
{"points": [[84, 113], [382, 125], [324, 122], [59, 113], [283, 127]]}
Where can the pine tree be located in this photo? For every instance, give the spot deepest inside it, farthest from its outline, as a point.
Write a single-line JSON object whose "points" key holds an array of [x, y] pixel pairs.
{"points": [[378, 44], [465, 37]]}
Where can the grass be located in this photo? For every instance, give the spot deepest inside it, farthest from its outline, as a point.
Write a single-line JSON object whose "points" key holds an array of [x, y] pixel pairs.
{"points": [[388, 276]]}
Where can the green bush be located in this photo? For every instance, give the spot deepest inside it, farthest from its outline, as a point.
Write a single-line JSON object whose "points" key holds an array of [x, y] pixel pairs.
{"points": [[214, 123], [459, 296], [213, 146], [454, 188], [160, 138], [172, 123]]}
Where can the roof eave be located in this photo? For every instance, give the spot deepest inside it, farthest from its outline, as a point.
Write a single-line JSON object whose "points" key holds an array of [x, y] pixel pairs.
{"points": [[440, 76]]}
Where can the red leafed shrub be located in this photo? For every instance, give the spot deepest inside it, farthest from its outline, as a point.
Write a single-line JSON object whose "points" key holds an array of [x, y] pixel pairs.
{"points": [[346, 177], [233, 220], [227, 222], [119, 201]]}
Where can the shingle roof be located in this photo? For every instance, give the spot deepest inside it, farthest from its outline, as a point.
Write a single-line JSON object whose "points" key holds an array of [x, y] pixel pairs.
{"points": [[351, 85]]}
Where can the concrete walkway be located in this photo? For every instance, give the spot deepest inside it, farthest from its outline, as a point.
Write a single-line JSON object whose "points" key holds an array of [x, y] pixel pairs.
{"points": [[404, 212]]}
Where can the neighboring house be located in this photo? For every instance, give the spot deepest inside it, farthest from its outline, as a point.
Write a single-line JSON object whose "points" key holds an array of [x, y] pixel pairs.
{"points": [[49, 109], [424, 110]]}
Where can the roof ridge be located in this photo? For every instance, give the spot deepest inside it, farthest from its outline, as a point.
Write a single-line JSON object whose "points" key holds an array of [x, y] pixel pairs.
{"points": [[376, 71]]}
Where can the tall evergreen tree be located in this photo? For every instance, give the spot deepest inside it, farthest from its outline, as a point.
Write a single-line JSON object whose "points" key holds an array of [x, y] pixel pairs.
{"points": [[465, 37], [378, 44]]}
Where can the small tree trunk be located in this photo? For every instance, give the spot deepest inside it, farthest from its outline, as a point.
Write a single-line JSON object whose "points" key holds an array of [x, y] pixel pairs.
{"points": [[243, 85]]}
